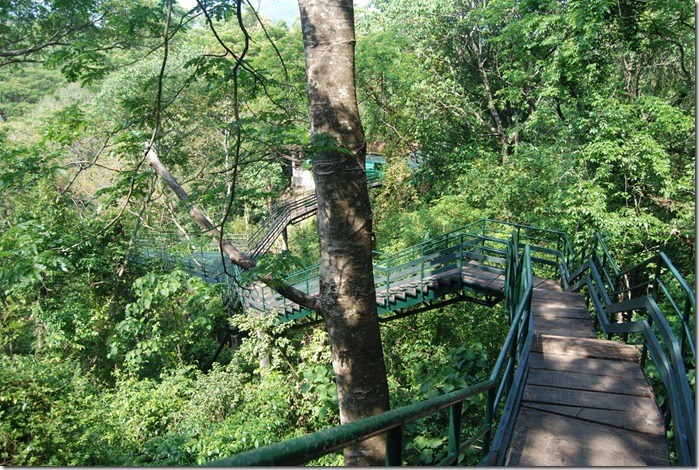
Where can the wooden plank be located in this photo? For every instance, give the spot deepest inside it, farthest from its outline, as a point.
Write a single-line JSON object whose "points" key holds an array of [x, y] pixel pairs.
{"points": [[493, 284], [548, 284], [565, 326], [569, 297], [550, 313], [586, 401], [546, 439], [583, 365], [629, 420], [555, 302], [589, 399], [583, 347], [610, 383]]}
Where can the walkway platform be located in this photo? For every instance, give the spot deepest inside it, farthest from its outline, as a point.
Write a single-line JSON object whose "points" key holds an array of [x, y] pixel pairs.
{"points": [[586, 401], [422, 283]]}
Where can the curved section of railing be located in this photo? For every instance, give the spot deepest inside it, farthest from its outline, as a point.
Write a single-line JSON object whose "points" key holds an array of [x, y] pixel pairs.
{"points": [[503, 388], [283, 214], [410, 273], [280, 216], [653, 302]]}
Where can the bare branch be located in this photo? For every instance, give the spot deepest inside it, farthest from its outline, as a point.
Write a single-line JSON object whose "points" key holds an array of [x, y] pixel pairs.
{"points": [[234, 255]]}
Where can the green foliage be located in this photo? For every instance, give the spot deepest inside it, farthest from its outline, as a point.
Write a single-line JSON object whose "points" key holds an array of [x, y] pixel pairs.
{"points": [[303, 242], [50, 414], [166, 324], [21, 88], [274, 265], [575, 116], [320, 381]]}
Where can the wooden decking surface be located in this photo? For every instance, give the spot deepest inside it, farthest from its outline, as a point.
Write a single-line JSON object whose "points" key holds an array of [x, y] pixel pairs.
{"points": [[586, 401]]}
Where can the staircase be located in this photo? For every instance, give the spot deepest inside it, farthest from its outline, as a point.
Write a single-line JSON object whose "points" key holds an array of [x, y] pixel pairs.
{"points": [[461, 265], [558, 395], [281, 215], [291, 212]]}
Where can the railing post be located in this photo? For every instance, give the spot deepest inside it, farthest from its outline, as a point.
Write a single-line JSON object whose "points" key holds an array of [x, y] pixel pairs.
{"points": [[422, 277], [685, 323], [644, 350], [388, 279], [394, 447], [489, 417], [264, 307], [654, 285], [455, 430]]}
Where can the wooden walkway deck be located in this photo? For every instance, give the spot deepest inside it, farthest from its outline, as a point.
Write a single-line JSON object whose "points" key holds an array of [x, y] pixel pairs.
{"points": [[586, 401]]}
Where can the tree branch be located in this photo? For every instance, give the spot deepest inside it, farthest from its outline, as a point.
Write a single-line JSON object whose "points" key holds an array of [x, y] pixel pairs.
{"points": [[234, 255]]}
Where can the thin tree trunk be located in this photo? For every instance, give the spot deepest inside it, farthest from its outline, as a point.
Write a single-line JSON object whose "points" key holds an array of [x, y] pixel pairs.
{"points": [[347, 298]]}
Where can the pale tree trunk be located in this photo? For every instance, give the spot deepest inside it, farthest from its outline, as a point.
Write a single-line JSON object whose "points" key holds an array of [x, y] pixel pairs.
{"points": [[347, 298]]}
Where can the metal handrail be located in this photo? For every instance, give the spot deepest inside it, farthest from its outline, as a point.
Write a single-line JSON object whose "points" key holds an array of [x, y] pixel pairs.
{"points": [[479, 236], [598, 273], [503, 387], [641, 295]]}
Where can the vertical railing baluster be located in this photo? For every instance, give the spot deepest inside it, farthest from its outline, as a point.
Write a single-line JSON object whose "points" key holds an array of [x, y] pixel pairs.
{"points": [[264, 307], [489, 418], [455, 430], [654, 284], [394, 447], [685, 323], [388, 279], [422, 277]]}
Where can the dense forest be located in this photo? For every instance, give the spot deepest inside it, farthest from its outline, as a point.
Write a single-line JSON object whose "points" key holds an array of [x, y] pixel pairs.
{"points": [[570, 115]]}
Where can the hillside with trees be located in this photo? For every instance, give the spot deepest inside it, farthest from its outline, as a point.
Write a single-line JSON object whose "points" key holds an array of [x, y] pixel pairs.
{"points": [[576, 116]]}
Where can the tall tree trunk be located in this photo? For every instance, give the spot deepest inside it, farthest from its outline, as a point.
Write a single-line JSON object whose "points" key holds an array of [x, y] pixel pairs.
{"points": [[347, 298]]}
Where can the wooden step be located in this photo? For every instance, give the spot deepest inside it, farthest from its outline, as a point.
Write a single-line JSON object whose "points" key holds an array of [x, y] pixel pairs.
{"points": [[550, 439]]}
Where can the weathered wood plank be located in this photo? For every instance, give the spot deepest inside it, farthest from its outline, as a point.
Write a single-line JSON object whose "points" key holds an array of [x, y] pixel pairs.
{"points": [[583, 347], [564, 326], [546, 439], [542, 283], [543, 311], [589, 399], [611, 383], [586, 401], [570, 297], [629, 420], [583, 365]]}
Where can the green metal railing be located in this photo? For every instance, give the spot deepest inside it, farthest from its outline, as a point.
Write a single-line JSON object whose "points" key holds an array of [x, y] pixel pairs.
{"points": [[413, 269], [283, 214], [194, 255], [280, 216], [628, 304], [173, 249], [650, 304], [503, 390]]}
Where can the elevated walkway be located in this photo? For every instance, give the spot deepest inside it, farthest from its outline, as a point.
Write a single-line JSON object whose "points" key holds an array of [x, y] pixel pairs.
{"points": [[431, 275], [557, 395], [586, 401], [204, 262]]}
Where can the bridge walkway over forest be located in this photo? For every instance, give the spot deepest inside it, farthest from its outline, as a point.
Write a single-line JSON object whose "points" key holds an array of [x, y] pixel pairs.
{"points": [[557, 394]]}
